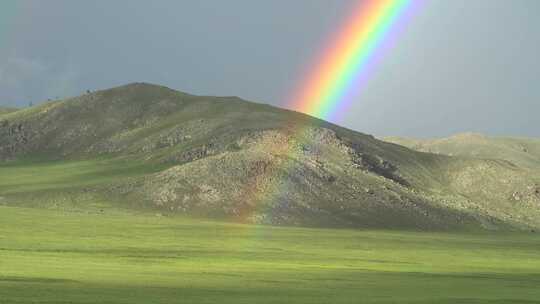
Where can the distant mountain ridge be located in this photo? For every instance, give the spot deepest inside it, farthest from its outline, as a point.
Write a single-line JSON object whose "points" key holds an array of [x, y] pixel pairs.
{"points": [[524, 152], [6, 110], [224, 157]]}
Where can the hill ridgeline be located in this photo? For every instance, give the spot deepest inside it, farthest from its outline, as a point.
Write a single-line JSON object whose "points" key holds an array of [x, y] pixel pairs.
{"points": [[222, 157]]}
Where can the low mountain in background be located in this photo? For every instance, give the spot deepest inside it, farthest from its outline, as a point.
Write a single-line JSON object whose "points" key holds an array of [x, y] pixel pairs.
{"points": [[5, 110], [524, 152], [146, 147]]}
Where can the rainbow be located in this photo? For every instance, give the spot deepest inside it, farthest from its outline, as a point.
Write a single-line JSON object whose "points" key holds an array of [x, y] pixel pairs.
{"points": [[332, 81], [340, 70]]}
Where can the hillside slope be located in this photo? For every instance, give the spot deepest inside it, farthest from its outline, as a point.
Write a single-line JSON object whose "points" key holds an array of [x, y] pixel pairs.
{"points": [[524, 152], [6, 110], [147, 147]]}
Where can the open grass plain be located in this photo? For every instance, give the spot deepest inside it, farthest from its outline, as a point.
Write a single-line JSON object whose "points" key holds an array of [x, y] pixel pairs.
{"points": [[52, 256], [100, 253]]}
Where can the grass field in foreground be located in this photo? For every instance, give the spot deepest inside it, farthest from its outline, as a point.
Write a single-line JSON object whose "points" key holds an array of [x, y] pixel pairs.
{"points": [[50, 256]]}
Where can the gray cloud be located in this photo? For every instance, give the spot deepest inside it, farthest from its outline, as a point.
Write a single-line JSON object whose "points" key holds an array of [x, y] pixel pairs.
{"points": [[459, 65], [24, 80], [15, 71]]}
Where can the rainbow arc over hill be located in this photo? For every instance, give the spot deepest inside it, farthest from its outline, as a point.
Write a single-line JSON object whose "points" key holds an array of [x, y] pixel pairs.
{"points": [[341, 69], [333, 81]]}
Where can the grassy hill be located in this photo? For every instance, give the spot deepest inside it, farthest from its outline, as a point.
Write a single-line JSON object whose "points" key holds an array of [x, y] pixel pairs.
{"points": [[6, 110], [524, 152], [141, 194], [149, 148]]}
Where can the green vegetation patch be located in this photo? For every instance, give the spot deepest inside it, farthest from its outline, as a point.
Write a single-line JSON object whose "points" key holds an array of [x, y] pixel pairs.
{"points": [[6, 110], [65, 257], [32, 176]]}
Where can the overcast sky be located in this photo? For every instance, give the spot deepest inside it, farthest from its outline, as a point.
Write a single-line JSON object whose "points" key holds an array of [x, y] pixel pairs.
{"points": [[459, 65]]}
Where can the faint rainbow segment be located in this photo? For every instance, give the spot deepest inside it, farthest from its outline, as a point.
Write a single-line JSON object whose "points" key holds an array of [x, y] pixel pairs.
{"points": [[340, 70]]}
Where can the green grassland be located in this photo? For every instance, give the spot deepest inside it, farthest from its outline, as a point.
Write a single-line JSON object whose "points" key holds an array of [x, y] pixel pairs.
{"points": [[34, 175], [51, 256], [75, 185], [94, 251]]}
